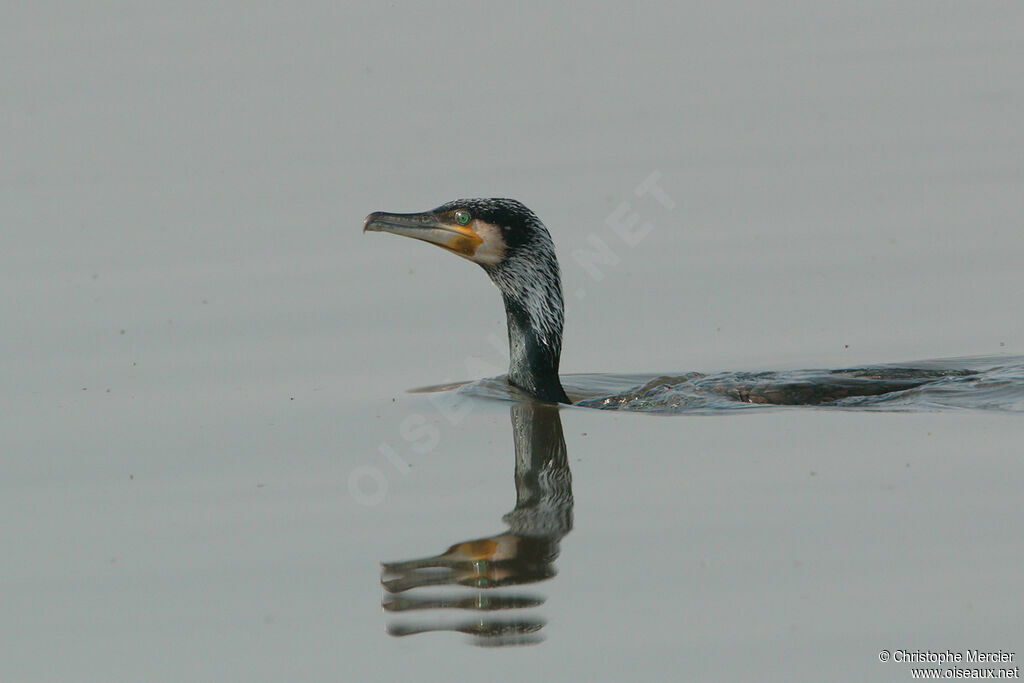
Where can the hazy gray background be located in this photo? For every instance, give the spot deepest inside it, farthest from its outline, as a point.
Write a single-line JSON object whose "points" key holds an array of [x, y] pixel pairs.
{"points": [[198, 345]]}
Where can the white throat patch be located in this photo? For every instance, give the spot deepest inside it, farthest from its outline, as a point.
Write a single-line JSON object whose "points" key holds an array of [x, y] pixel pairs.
{"points": [[491, 251]]}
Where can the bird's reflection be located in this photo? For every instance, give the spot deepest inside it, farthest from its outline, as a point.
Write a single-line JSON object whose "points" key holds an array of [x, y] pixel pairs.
{"points": [[525, 553]]}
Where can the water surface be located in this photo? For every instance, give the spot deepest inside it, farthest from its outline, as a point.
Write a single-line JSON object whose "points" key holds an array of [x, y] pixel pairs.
{"points": [[207, 445]]}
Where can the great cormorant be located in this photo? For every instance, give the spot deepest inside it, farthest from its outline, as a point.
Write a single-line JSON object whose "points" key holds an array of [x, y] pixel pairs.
{"points": [[515, 249]]}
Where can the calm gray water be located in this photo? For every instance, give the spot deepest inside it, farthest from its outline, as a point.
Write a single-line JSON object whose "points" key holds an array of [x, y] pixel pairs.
{"points": [[208, 439]]}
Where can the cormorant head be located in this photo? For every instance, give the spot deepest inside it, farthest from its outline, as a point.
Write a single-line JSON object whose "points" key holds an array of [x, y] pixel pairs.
{"points": [[490, 232], [513, 246], [501, 235]]}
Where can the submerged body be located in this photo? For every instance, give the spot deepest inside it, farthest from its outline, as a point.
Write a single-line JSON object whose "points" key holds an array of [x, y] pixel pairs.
{"points": [[515, 249]]}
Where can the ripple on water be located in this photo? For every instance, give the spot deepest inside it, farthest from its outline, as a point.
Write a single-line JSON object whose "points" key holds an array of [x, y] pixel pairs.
{"points": [[977, 383]]}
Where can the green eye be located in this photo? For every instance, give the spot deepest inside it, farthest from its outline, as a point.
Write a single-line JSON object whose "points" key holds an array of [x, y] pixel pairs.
{"points": [[462, 217]]}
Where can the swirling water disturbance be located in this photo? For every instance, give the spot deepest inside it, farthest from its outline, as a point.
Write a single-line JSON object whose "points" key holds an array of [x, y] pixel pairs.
{"points": [[984, 383]]}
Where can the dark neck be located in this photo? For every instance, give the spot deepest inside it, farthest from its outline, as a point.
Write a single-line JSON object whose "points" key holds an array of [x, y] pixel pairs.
{"points": [[533, 355]]}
